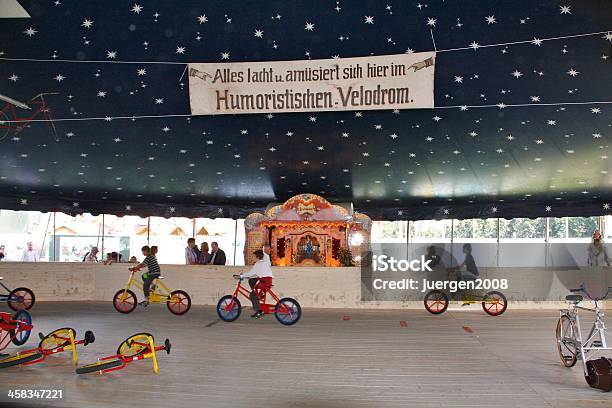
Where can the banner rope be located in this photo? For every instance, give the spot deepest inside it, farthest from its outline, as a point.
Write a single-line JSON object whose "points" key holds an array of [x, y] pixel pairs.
{"points": [[474, 47], [189, 115]]}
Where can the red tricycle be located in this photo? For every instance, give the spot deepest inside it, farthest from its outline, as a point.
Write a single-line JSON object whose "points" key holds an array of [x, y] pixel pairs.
{"points": [[286, 310], [15, 328]]}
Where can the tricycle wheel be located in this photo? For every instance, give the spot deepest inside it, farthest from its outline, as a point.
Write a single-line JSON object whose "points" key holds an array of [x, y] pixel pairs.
{"points": [[20, 358], [436, 302], [288, 311], [20, 336], [57, 338], [99, 366], [21, 299], [494, 303], [124, 301], [179, 302], [133, 345], [228, 308]]}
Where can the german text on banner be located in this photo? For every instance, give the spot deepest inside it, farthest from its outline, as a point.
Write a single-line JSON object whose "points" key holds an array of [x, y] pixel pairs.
{"points": [[403, 81]]}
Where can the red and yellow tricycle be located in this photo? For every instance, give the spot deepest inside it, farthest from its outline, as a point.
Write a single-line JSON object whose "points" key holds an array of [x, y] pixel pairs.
{"points": [[139, 346], [57, 341]]}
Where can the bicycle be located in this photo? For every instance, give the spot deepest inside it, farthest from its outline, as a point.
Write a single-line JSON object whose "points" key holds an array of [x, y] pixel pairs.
{"points": [[57, 341], [10, 122], [494, 303], [177, 301], [17, 299], [139, 346], [14, 328], [570, 343], [286, 310]]}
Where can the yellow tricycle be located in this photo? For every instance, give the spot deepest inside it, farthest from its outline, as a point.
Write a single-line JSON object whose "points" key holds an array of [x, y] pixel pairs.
{"points": [[177, 301]]}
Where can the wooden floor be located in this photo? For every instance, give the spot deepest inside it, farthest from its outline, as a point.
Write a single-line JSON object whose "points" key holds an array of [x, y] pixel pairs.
{"points": [[331, 358]]}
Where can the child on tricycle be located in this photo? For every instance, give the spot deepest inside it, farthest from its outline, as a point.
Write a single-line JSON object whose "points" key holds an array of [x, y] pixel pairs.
{"points": [[260, 278], [153, 272]]}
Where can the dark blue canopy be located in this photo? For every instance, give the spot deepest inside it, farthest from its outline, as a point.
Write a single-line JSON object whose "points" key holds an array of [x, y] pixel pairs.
{"points": [[475, 155]]}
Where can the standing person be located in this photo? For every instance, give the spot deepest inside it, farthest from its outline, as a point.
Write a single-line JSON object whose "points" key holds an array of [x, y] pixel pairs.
{"points": [[260, 278], [91, 256], [191, 256], [204, 256], [29, 255], [597, 251], [217, 256], [2, 254]]}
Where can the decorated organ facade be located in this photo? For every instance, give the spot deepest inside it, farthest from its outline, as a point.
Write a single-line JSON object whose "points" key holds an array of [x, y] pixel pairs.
{"points": [[306, 231]]}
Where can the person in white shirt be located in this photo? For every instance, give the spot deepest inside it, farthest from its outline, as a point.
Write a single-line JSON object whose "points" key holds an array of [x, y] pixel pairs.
{"points": [[29, 255], [260, 278], [92, 256]]}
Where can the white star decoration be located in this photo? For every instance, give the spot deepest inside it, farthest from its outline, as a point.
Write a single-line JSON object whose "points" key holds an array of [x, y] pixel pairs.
{"points": [[136, 9], [30, 32], [309, 27]]}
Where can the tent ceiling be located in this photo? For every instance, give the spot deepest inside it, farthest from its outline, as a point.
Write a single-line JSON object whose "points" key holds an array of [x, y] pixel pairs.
{"points": [[448, 162]]}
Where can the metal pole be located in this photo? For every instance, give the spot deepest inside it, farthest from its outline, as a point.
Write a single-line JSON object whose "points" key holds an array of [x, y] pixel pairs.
{"points": [[148, 229], [54, 244], [235, 239], [497, 261], [102, 236]]}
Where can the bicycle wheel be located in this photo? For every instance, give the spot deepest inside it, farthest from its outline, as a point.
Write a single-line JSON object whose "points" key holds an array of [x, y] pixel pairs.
{"points": [[99, 366], [135, 345], [179, 302], [228, 308], [436, 302], [288, 311], [57, 338], [494, 303], [124, 303], [20, 336], [566, 341], [21, 299], [20, 358]]}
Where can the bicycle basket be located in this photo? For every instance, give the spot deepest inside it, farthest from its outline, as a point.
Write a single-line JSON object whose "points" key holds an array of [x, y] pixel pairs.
{"points": [[599, 373]]}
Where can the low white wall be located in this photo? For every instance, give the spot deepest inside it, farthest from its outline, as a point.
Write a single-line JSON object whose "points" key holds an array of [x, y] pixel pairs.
{"points": [[312, 287]]}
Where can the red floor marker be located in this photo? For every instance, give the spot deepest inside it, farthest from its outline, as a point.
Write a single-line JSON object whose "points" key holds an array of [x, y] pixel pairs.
{"points": [[468, 329], [403, 323], [346, 318]]}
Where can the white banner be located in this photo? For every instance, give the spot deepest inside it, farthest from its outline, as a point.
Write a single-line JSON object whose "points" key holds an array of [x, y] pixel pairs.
{"points": [[403, 81]]}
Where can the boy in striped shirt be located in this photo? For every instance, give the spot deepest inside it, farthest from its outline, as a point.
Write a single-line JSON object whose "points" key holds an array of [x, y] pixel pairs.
{"points": [[153, 271]]}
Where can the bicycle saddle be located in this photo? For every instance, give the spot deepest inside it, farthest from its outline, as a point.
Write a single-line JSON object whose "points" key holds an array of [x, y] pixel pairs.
{"points": [[574, 298], [1, 278]]}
